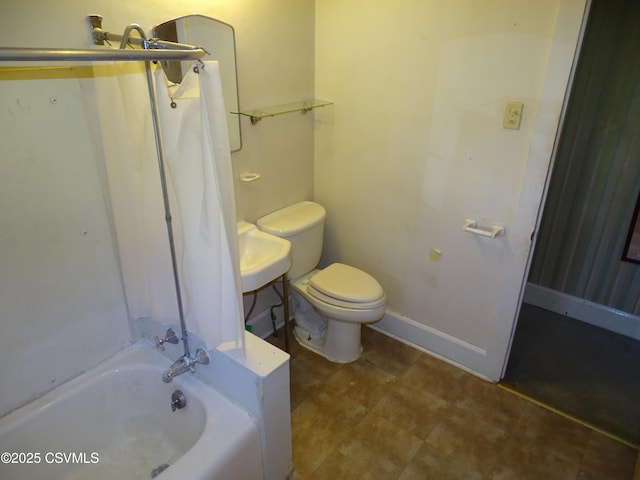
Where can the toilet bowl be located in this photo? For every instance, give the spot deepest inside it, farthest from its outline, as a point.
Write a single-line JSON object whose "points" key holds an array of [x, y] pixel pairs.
{"points": [[329, 307], [329, 304]]}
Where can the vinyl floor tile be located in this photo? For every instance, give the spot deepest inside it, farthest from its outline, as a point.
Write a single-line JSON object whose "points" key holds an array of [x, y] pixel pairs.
{"points": [[380, 446], [398, 413]]}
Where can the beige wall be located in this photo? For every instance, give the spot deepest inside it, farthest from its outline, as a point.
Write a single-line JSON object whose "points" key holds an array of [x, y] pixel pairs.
{"points": [[415, 145]]}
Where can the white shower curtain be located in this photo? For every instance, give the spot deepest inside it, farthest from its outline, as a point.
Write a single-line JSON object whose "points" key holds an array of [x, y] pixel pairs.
{"points": [[199, 177]]}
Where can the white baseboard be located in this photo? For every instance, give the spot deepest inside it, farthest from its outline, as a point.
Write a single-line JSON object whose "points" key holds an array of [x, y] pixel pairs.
{"points": [[434, 342], [589, 312], [445, 347]]}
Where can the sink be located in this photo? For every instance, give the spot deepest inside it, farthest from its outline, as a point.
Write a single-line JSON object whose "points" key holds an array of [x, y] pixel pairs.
{"points": [[263, 257]]}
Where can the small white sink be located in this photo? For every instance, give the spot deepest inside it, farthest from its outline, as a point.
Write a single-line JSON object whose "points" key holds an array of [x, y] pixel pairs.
{"points": [[263, 257]]}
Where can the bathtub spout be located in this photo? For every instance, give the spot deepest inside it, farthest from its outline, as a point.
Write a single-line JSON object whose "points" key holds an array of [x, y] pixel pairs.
{"points": [[178, 367], [184, 364]]}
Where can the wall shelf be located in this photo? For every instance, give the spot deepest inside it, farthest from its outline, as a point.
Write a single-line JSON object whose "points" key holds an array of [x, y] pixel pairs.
{"points": [[302, 107]]}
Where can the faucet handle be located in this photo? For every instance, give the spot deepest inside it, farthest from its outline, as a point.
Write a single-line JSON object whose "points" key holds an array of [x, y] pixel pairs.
{"points": [[170, 337], [202, 357]]}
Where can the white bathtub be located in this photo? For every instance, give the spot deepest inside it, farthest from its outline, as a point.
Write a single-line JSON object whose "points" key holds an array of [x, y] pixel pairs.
{"points": [[115, 422]]}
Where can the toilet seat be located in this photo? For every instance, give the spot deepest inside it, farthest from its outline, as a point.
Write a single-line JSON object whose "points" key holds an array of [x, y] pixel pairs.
{"points": [[345, 286]]}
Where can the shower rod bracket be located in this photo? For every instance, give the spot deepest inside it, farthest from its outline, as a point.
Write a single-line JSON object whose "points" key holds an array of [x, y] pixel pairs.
{"points": [[96, 28], [100, 36]]}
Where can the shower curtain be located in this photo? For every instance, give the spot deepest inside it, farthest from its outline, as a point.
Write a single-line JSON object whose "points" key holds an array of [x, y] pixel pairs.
{"points": [[201, 196]]}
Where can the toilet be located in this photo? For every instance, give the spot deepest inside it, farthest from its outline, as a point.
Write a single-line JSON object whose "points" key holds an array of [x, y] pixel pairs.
{"points": [[329, 304]]}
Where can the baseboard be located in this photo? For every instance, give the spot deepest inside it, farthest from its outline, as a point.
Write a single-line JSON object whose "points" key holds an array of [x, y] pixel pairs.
{"points": [[434, 342], [422, 337], [589, 312]]}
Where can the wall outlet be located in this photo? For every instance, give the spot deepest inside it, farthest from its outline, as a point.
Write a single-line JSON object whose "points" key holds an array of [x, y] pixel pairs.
{"points": [[512, 115]]}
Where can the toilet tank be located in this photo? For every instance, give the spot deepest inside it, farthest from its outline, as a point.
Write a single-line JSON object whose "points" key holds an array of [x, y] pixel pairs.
{"points": [[303, 225]]}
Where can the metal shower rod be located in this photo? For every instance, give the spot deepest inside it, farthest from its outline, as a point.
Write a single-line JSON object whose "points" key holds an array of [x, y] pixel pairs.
{"points": [[151, 49]]}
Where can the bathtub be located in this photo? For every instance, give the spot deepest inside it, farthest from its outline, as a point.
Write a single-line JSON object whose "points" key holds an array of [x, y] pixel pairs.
{"points": [[116, 422]]}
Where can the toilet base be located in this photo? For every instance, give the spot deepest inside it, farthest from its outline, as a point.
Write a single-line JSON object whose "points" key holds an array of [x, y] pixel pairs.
{"points": [[341, 343]]}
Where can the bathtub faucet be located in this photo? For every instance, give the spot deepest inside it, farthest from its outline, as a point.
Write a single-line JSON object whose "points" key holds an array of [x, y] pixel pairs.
{"points": [[184, 364]]}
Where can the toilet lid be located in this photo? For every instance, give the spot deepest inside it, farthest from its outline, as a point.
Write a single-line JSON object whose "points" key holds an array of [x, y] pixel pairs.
{"points": [[347, 284]]}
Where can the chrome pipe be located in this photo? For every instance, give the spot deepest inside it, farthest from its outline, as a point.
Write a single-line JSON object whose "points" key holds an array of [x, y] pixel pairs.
{"points": [[96, 54], [151, 49], [127, 34], [155, 117]]}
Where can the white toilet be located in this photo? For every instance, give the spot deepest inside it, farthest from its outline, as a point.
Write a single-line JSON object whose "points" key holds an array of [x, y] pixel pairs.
{"points": [[329, 304]]}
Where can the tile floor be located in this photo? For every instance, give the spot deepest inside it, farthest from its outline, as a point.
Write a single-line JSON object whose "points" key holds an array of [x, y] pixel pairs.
{"points": [[398, 413]]}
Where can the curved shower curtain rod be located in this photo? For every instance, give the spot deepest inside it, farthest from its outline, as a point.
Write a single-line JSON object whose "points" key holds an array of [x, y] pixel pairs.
{"points": [[151, 49]]}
